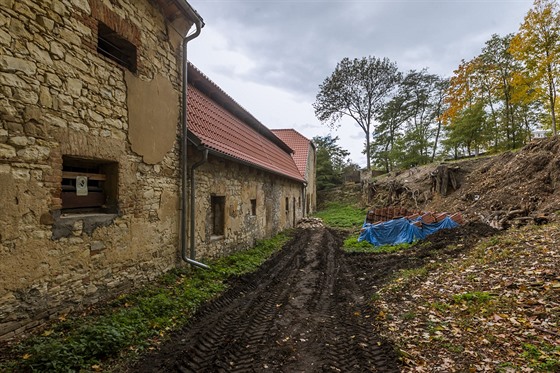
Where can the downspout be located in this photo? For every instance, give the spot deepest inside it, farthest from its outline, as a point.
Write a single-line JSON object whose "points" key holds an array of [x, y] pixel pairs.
{"points": [[193, 184], [184, 142]]}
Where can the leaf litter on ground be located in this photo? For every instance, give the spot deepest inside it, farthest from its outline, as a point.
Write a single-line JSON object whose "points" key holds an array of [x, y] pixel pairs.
{"points": [[495, 308]]}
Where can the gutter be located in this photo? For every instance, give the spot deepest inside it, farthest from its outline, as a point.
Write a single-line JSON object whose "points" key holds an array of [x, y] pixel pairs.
{"points": [[184, 141]]}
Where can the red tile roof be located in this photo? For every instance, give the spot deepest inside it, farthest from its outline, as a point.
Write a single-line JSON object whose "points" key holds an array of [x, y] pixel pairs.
{"points": [[226, 134], [299, 143]]}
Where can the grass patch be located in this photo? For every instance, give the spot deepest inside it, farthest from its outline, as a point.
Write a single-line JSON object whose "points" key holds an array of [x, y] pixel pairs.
{"points": [[352, 245], [477, 302], [134, 322], [542, 358], [440, 306], [478, 297], [455, 348], [339, 215], [404, 277], [407, 316], [412, 273]]}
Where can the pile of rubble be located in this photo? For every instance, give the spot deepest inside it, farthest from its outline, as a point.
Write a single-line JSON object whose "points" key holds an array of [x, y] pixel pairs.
{"points": [[310, 223]]}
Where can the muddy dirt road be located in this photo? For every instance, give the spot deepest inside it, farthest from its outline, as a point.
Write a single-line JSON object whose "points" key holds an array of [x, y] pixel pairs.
{"points": [[301, 312], [307, 309]]}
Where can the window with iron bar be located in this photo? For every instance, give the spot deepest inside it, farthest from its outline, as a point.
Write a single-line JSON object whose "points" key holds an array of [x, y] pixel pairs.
{"points": [[115, 47]]}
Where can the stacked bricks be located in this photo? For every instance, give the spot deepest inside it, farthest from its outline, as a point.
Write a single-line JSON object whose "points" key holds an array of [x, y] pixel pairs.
{"points": [[392, 212], [428, 218], [396, 212], [458, 218]]}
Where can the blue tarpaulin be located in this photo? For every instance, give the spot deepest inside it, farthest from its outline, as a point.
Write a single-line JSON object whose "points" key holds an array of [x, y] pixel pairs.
{"points": [[401, 230]]}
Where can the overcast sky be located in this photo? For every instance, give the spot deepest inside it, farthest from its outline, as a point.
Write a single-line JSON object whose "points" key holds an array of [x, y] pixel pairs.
{"points": [[271, 55]]}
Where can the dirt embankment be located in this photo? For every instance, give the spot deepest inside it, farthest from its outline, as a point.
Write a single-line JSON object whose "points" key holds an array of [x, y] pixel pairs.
{"points": [[511, 189]]}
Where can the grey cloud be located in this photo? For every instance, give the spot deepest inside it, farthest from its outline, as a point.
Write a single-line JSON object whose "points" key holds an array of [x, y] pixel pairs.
{"points": [[293, 45], [296, 44]]}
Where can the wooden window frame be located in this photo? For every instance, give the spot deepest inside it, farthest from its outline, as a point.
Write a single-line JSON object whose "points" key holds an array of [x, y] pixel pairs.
{"points": [[102, 183]]}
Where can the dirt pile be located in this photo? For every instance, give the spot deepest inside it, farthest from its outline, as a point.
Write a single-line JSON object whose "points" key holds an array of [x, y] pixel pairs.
{"points": [[510, 189]]}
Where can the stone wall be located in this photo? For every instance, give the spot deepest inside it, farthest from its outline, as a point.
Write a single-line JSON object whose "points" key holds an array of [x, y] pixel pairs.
{"points": [[60, 98], [239, 184]]}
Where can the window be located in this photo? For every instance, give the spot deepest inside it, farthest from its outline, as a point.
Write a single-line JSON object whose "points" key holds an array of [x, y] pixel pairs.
{"points": [[114, 46], [218, 204], [287, 205], [253, 207], [88, 185]]}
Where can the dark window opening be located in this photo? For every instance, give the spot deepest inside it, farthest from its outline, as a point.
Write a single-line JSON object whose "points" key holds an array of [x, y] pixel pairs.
{"points": [[218, 204], [114, 46], [89, 186], [253, 207], [287, 205]]}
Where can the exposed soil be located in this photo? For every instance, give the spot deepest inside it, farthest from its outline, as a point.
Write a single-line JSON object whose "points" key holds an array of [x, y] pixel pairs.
{"points": [[511, 189], [308, 309], [301, 312]]}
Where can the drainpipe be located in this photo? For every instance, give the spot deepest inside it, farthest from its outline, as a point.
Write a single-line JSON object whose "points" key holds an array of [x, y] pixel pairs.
{"points": [[184, 142], [193, 184]]}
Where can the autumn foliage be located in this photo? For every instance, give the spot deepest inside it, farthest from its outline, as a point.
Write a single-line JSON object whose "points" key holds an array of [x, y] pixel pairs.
{"points": [[514, 81]]}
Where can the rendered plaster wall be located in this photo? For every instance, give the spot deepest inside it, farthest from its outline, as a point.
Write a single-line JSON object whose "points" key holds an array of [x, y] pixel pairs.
{"points": [[239, 184], [60, 97]]}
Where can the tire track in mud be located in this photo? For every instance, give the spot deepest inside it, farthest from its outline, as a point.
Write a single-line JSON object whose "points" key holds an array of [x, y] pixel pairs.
{"points": [[300, 312]]}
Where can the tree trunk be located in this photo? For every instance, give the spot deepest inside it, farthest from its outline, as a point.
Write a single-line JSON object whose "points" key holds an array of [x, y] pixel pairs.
{"points": [[443, 177]]}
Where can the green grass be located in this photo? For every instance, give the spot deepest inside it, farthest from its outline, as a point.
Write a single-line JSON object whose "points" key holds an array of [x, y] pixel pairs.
{"points": [[134, 322], [542, 357], [339, 215], [473, 297], [352, 245]]}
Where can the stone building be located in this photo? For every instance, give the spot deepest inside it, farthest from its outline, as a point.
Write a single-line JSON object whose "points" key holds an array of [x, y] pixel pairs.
{"points": [[306, 159], [247, 185], [96, 193]]}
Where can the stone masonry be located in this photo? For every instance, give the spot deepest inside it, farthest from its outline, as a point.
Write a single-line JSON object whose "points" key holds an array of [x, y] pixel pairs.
{"points": [[61, 99]]}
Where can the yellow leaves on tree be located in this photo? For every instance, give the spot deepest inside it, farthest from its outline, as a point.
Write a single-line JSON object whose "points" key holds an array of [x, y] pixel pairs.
{"points": [[537, 45]]}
